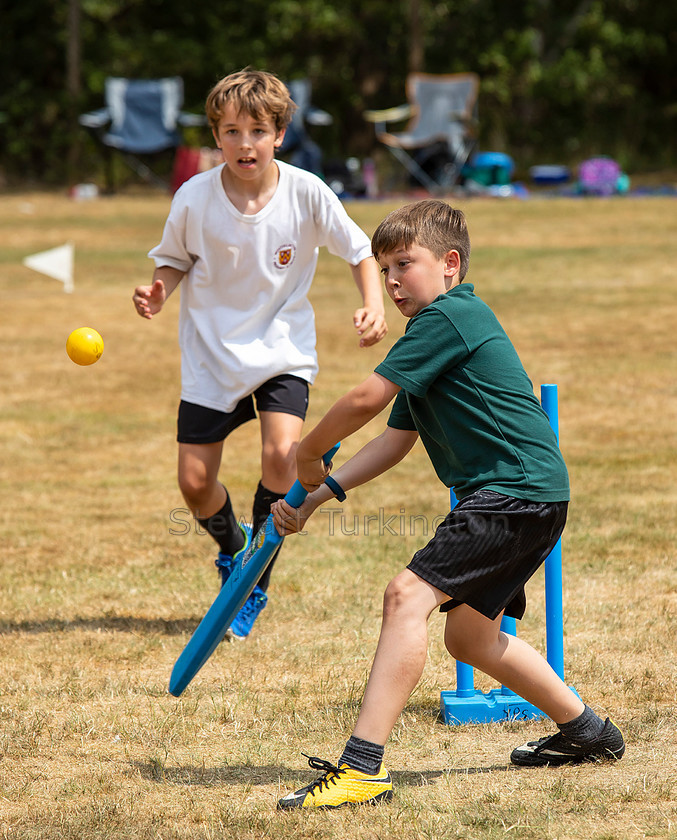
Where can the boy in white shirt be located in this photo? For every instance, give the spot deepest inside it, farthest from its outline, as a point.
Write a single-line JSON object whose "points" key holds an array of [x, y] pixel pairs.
{"points": [[243, 240]]}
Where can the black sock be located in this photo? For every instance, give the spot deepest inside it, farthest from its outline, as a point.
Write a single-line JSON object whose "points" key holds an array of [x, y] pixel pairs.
{"points": [[263, 499], [364, 756], [222, 526], [585, 729]]}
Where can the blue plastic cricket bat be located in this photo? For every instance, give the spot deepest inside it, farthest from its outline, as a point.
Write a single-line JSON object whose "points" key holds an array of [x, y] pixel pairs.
{"points": [[250, 566]]}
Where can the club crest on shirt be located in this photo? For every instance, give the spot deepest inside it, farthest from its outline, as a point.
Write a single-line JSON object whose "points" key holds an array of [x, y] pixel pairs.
{"points": [[284, 256]]}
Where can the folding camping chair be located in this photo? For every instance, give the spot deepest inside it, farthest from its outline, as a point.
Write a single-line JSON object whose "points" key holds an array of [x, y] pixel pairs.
{"points": [[441, 133], [298, 146], [140, 117]]}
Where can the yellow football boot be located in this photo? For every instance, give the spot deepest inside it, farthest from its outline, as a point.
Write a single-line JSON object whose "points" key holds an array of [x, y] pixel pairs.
{"points": [[340, 786]]}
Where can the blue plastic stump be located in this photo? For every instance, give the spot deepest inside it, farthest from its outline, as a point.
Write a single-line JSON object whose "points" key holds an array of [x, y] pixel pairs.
{"points": [[554, 612], [466, 704]]}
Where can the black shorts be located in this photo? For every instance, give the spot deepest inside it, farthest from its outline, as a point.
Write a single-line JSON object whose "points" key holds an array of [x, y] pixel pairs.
{"points": [[286, 393], [487, 548]]}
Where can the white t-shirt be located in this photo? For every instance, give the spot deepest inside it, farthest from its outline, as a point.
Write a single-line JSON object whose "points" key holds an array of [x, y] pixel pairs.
{"points": [[245, 316]]}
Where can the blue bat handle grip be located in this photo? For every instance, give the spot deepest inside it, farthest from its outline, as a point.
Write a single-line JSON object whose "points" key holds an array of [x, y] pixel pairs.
{"points": [[296, 496]]}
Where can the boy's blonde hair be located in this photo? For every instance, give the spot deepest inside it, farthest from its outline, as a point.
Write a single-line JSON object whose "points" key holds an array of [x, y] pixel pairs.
{"points": [[255, 92], [430, 223]]}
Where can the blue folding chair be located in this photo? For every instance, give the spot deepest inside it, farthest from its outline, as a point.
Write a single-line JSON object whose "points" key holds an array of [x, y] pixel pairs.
{"points": [[298, 147], [140, 117]]}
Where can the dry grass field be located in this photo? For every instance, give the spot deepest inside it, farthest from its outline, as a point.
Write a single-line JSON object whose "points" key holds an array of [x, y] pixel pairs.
{"points": [[103, 577]]}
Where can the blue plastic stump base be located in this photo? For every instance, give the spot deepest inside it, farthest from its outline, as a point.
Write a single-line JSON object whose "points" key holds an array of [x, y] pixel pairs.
{"points": [[489, 707], [486, 707]]}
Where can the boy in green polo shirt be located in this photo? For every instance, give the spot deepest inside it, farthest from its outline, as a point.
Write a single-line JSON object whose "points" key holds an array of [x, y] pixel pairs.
{"points": [[456, 382]]}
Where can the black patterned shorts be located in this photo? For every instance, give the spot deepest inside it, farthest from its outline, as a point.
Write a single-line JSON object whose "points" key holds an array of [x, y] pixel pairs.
{"points": [[487, 548]]}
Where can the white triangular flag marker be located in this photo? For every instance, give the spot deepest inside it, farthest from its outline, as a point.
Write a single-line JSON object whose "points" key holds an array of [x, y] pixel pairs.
{"points": [[56, 263]]}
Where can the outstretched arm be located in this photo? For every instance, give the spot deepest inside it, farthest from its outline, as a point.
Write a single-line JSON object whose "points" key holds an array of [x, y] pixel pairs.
{"points": [[375, 458], [346, 416], [149, 300], [369, 320]]}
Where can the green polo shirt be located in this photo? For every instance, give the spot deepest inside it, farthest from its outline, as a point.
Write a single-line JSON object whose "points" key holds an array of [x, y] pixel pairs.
{"points": [[467, 394]]}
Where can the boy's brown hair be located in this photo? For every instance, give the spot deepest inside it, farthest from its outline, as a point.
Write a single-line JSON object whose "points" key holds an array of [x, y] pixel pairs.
{"points": [[430, 223], [255, 92]]}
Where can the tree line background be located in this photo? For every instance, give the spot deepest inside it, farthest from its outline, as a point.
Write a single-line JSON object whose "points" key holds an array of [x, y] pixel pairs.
{"points": [[560, 79]]}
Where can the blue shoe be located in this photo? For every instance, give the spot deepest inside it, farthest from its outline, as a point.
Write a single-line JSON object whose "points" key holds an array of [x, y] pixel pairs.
{"points": [[225, 562], [249, 612]]}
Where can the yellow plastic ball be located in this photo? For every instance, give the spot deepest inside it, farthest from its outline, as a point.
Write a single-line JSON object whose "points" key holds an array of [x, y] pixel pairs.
{"points": [[84, 346]]}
